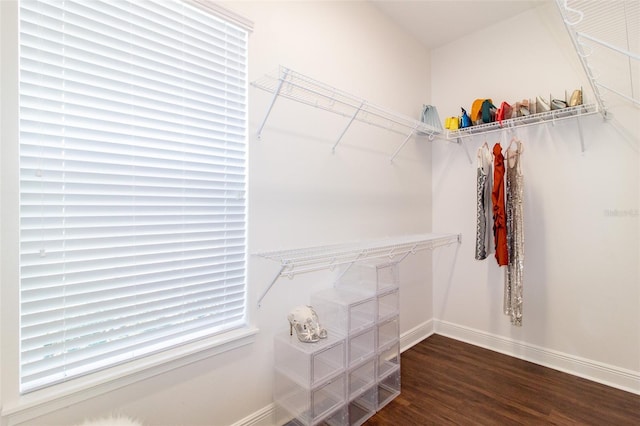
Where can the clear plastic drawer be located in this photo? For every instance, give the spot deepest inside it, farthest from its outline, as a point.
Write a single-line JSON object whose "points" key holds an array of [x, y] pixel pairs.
{"points": [[388, 389], [309, 363], [361, 377], [361, 346], [388, 360], [344, 311], [363, 406], [388, 332], [307, 406], [370, 276], [388, 304]]}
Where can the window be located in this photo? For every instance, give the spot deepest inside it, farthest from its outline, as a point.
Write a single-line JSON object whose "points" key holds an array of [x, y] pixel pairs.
{"points": [[132, 182]]}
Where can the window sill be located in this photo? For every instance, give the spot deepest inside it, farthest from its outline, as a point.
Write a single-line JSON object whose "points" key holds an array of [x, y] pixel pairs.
{"points": [[44, 401]]}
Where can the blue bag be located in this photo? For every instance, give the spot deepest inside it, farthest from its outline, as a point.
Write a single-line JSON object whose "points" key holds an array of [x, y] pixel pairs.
{"points": [[465, 120]]}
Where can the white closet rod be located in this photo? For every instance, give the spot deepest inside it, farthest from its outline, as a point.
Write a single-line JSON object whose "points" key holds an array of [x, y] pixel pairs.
{"points": [[312, 259]]}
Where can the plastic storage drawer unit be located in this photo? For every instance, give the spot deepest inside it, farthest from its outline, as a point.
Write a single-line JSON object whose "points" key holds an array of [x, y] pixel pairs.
{"points": [[344, 311], [309, 363], [322, 404], [388, 304], [388, 388], [388, 332], [370, 276], [361, 377], [388, 360], [363, 406], [361, 346]]}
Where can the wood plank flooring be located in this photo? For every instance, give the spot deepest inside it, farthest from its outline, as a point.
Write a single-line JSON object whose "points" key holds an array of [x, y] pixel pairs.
{"points": [[445, 381]]}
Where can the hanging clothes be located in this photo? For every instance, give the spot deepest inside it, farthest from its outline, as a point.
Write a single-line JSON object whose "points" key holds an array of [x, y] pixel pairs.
{"points": [[484, 186], [515, 234], [498, 201]]}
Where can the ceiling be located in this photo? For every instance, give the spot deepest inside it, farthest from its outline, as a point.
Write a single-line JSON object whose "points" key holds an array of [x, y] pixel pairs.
{"points": [[438, 22]]}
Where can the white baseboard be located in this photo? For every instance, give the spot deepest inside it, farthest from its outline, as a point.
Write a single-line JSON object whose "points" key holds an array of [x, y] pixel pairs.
{"points": [[606, 374], [416, 335], [265, 416]]}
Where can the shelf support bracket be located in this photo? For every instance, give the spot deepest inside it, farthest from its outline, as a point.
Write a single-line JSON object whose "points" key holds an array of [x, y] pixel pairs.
{"points": [[278, 275], [636, 102], [395, 154], [581, 133], [353, 117], [276, 93], [464, 147], [344, 271]]}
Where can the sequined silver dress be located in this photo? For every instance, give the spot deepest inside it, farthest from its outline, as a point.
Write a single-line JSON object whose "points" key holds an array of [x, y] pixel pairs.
{"points": [[484, 184], [515, 236]]}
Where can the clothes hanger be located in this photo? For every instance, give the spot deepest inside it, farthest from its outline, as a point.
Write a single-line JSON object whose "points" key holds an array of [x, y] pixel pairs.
{"points": [[484, 155], [516, 140], [513, 153]]}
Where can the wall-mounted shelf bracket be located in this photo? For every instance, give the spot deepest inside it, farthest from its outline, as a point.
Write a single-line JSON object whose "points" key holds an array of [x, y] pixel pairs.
{"points": [[580, 133], [297, 261], [353, 117], [276, 92], [397, 151], [460, 142]]}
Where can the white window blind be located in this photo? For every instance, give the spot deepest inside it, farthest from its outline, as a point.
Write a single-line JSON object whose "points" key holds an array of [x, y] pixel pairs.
{"points": [[132, 182]]}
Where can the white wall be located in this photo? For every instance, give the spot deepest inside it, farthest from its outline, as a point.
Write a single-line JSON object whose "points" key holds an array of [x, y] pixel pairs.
{"points": [[300, 194], [581, 279]]}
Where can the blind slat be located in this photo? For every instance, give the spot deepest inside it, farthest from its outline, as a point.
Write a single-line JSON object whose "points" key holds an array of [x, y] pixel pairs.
{"points": [[153, 310], [41, 375], [133, 124]]}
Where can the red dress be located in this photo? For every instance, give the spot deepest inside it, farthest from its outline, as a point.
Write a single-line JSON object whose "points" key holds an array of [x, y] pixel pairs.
{"points": [[499, 214]]}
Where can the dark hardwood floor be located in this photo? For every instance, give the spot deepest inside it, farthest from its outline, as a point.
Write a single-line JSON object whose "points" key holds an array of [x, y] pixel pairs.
{"points": [[445, 381]]}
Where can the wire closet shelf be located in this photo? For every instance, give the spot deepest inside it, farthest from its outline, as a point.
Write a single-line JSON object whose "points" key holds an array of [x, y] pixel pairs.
{"points": [[298, 87], [297, 261], [606, 36], [528, 120]]}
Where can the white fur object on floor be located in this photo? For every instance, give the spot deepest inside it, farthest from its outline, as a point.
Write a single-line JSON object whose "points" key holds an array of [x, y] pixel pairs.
{"points": [[111, 421]]}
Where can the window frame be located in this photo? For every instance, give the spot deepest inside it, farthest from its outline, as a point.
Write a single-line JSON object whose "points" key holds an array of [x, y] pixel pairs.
{"points": [[16, 407]]}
